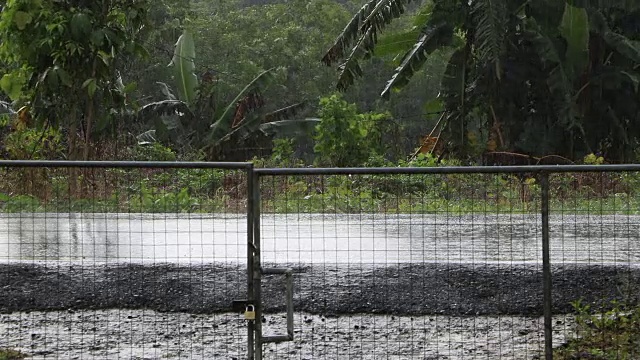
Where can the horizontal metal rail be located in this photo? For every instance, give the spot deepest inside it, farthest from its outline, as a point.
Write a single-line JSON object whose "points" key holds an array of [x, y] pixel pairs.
{"points": [[448, 170], [127, 164], [323, 171]]}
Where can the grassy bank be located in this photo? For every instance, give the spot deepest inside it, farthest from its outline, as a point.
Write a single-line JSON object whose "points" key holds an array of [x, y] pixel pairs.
{"points": [[614, 334], [212, 190]]}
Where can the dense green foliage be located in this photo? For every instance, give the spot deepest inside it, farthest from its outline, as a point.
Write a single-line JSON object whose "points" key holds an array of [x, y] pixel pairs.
{"points": [[8, 354], [544, 77], [168, 72], [220, 80], [613, 334], [346, 138], [62, 60]]}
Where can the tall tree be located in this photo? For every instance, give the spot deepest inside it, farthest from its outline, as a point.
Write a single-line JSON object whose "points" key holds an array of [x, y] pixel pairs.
{"points": [[523, 75], [64, 56]]}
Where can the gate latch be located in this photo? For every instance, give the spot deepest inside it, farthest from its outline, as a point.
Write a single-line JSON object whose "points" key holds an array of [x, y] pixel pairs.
{"points": [[288, 273]]}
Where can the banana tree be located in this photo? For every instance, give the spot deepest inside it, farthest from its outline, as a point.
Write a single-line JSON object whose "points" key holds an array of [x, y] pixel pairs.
{"points": [[522, 72], [194, 118]]}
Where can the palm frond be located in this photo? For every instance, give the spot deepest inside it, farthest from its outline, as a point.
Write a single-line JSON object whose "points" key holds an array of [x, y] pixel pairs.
{"points": [[433, 37], [349, 35], [490, 21], [350, 69], [361, 36]]}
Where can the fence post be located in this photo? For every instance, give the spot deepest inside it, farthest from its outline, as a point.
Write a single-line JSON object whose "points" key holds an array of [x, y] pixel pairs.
{"points": [[250, 255], [546, 268], [257, 267]]}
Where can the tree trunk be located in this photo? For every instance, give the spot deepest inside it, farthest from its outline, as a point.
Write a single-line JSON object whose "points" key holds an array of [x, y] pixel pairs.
{"points": [[72, 154]]}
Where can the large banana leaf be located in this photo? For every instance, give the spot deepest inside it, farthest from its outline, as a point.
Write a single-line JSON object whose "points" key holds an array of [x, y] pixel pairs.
{"points": [[618, 42], [453, 80], [626, 5], [285, 112], [433, 37], [184, 67], [398, 44], [6, 108], [223, 124], [574, 28], [613, 78], [560, 86], [283, 128], [350, 69], [453, 92], [289, 128], [256, 122], [164, 108]]}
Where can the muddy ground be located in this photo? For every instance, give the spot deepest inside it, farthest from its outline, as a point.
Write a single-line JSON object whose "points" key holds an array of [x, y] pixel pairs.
{"points": [[169, 311], [147, 334]]}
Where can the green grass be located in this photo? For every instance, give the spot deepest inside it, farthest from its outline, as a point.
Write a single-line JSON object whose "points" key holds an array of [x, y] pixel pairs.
{"points": [[198, 191], [8, 354], [614, 334]]}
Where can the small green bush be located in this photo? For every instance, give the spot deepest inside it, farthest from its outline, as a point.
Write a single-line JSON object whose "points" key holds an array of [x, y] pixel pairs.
{"points": [[345, 137], [613, 334], [152, 152], [9, 354]]}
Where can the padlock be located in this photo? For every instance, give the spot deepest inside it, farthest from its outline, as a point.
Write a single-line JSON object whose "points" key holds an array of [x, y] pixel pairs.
{"points": [[250, 312]]}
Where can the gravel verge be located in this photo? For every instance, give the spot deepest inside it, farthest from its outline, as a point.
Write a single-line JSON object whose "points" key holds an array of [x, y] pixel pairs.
{"points": [[416, 289], [146, 334], [423, 311]]}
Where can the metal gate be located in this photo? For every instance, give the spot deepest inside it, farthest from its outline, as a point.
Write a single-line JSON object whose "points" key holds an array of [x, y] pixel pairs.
{"points": [[106, 260], [469, 262]]}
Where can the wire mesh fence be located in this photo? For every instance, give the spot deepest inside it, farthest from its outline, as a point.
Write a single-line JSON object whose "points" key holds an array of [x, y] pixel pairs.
{"points": [[133, 261], [143, 260], [595, 257], [442, 265]]}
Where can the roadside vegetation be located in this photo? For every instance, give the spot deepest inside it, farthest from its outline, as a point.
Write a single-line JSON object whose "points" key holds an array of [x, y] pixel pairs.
{"points": [[8, 354], [609, 335], [321, 83]]}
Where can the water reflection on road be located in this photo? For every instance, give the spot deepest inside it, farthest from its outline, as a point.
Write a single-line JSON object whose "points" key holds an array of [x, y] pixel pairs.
{"points": [[307, 238]]}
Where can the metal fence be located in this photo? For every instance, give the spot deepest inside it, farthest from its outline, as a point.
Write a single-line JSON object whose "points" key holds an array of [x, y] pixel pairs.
{"points": [[150, 260], [448, 263], [123, 260]]}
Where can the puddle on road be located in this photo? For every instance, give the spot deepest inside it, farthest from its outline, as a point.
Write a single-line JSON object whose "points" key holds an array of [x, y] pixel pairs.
{"points": [[308, 238]]}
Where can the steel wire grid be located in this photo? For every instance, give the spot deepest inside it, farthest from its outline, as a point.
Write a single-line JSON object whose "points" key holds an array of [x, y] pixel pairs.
{"points": [[446, 263], [596, 257], [141, 260], [122, 260]]}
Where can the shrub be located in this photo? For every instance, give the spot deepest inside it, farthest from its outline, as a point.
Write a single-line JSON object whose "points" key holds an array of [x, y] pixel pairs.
{"points": [[345, 137]]}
